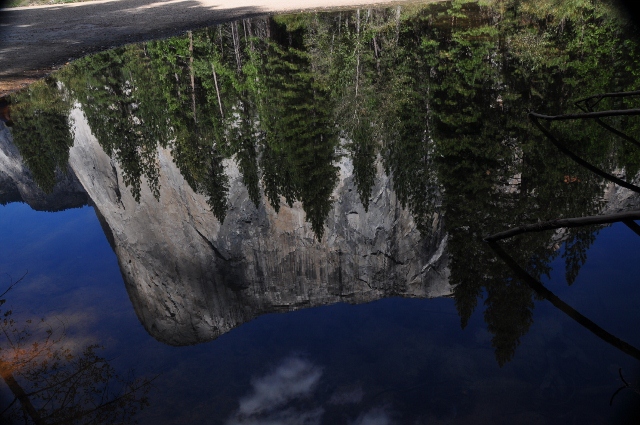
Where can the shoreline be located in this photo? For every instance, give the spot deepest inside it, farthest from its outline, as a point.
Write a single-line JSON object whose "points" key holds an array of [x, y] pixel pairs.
{"points": [[37, 40]]}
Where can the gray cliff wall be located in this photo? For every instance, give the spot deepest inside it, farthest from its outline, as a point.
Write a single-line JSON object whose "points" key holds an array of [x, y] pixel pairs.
{"points": [[190, 279]]}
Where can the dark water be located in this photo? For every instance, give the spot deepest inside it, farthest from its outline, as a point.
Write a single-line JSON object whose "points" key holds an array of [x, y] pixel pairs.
{"points": [[281, 221]]}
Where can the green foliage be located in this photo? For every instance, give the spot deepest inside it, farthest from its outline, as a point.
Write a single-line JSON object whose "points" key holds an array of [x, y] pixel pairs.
{"points": [[124, 110], [295, 115], [41, 131]]}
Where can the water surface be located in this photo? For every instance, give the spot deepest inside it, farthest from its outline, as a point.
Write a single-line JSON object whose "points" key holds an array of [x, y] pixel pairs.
{"points": [[281, 220]]}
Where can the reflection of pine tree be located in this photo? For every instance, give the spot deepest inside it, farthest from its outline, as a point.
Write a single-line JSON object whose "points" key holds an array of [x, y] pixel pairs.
{"points": [[41, 131], [363, 155], [194, 113], [351, 72], [509, 314], [277, 178], [124, 109], [497, 172], [246, 155], [472, 164], [230, 59], [575, 251], [201, 166], [295, 113], [408, 143]]}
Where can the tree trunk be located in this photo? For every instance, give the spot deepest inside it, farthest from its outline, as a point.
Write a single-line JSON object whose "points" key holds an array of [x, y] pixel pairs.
{"points": [[357, 50], [236, 44], [193, 78], [19, 393], [215, 80], [398, 24]]}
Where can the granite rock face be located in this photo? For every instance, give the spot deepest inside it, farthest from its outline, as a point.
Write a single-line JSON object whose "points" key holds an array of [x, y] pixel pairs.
{"points": [[191, 278], [17, 185]]}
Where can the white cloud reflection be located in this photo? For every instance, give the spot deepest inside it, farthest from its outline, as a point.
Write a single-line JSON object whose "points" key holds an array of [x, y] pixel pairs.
{"points": [[283, 417], [294, 379], [285, 396]]}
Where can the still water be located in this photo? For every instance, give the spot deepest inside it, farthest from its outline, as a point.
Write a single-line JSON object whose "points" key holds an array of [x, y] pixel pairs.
{"points": [[281, 220]]}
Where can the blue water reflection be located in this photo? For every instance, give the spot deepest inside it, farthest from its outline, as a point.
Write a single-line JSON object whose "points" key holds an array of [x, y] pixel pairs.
{"points": [[390, 361], [286, 221]]}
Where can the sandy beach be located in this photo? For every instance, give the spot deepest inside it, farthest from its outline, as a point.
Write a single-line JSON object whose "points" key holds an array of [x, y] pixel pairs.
{"points": [[34, 41]]}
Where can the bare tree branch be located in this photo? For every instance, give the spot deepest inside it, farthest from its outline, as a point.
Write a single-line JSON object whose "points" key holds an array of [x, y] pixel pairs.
{"points": [[632, 225], [565, 222], [13, 284], [588, 107], [534, 118], [601, 96], [9, 406], [19, 393], [586, 115]]}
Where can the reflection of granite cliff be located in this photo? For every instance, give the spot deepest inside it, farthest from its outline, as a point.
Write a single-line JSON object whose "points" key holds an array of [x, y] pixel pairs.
{"points": [[191, 279], [17, 185]]}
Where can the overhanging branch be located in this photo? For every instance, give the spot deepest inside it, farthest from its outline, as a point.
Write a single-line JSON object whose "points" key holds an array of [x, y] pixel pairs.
{"points": [[566, 222]]}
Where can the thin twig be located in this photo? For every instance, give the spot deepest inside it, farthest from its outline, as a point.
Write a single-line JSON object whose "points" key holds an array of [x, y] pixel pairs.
{"points": [[586, 115], [14, 284], [616, 393], [601, 96], [626, 385], [9, 406], [622, 377]]}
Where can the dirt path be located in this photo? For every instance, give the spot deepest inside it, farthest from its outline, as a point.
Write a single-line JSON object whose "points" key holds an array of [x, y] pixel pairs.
{"points": [[37, 40]]}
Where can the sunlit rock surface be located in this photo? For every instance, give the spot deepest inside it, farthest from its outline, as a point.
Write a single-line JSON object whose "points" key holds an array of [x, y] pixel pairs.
{"points": [[191, 279], [17, 184]]}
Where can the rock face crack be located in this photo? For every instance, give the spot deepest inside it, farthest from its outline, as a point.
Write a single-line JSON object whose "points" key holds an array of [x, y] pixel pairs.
{"points": [[216, 251], [116, 189], [389, 256], [365, 282]]}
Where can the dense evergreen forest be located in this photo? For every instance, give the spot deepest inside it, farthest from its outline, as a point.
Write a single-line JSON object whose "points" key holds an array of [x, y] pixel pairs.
{"points": [[435, 95]]}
